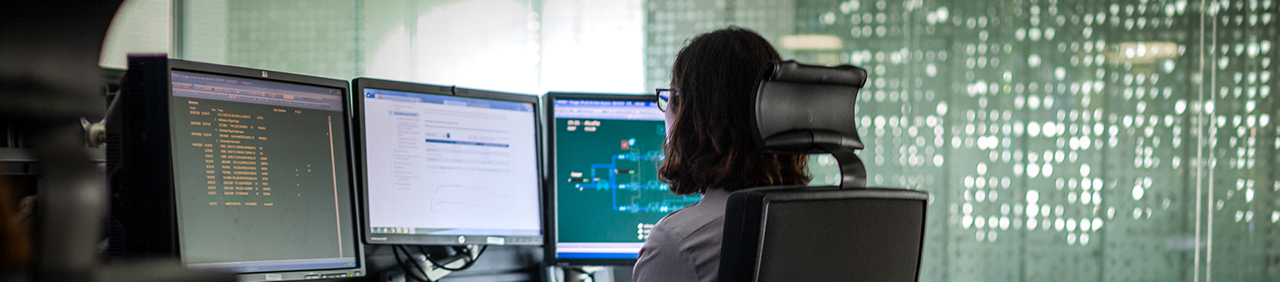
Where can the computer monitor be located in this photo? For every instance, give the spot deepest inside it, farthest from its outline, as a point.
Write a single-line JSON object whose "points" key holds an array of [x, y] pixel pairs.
{"points": [[604, 152], [448, 166], [234, 169]]}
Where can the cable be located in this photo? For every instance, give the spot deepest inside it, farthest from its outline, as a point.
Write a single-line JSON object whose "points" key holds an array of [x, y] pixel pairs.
{"points": [[466, 251], [417, 268], [404, 268], [415, 271], [567, 270], [590, 274]]}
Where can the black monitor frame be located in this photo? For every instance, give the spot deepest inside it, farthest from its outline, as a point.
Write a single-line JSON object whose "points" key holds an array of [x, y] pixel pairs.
{"points": [[549, 194], [360, 84], [140, 162]]}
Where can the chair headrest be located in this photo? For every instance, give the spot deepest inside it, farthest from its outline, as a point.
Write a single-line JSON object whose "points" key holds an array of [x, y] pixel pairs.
{"points": [[805, 109]]}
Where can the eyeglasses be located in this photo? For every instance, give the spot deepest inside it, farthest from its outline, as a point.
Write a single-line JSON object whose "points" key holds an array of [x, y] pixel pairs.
{"points": [[664, 98]]}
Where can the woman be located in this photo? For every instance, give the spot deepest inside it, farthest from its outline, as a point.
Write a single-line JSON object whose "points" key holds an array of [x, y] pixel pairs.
{"points": [[710, 150]]}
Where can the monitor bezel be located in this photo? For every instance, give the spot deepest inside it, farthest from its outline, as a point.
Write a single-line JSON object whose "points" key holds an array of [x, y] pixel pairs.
{"points": [[549, 196], [362, 83], [271, 76]]}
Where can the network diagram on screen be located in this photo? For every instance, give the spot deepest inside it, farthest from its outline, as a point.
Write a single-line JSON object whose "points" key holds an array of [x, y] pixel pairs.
{"points": [[630, 178], [608, 196]]}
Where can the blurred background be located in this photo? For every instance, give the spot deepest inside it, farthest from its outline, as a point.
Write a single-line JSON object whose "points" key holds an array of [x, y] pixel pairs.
{"points": [[1089, 140]]}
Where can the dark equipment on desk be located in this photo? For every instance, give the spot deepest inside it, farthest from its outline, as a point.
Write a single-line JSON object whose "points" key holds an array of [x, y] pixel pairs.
{"points": [[50, 53], [830, 233]]}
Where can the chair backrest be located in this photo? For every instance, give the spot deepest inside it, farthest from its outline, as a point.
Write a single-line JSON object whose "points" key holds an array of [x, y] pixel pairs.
{"points": [[803, 109], [828, 233]]}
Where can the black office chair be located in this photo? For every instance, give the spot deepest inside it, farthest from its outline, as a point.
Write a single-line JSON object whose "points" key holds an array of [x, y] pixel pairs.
{"points": [[828, 233]]}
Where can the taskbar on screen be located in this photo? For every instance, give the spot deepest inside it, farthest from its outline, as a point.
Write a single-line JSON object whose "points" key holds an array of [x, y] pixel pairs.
{"points": [[276, 265], [598, 250]]}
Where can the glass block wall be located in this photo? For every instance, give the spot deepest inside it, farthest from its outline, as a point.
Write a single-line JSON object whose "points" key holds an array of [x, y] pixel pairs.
{"points": [[310, 37], [1091, 140], [1060, 140], [505, 45]]}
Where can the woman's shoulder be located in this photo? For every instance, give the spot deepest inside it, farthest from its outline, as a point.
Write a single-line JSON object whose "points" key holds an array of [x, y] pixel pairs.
{"points": [[684, 222]]}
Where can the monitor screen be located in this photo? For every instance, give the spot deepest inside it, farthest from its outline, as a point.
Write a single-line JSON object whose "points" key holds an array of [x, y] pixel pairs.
{"points": [[607, 195], [261, 174], [446, 169]]}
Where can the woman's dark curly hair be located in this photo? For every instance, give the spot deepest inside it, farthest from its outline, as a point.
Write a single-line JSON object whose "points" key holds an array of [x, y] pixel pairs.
{"points": [[710, 143]]}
